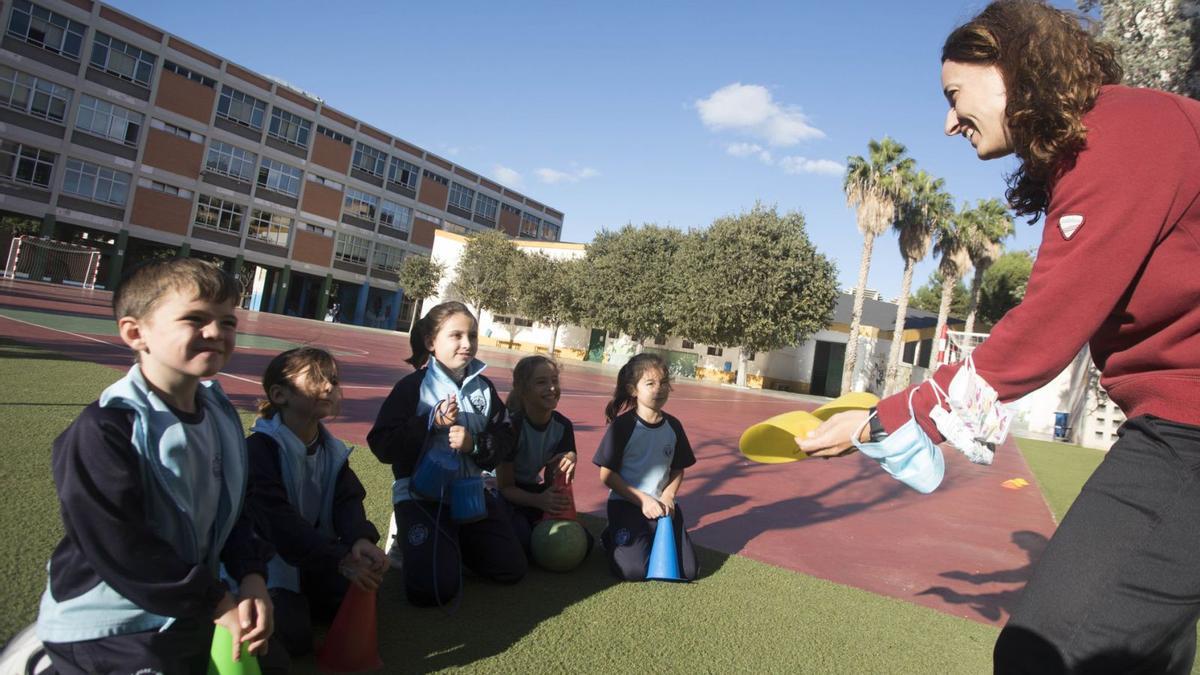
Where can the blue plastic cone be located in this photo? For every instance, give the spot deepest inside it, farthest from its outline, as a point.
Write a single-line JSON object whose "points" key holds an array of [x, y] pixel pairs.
{"points": [[664, 555]]}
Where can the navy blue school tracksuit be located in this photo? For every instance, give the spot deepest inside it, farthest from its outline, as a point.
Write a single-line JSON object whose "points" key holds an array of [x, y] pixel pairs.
{"points": [[435, 547]]}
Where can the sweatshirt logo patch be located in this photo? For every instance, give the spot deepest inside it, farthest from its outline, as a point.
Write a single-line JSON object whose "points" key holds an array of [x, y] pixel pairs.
{"points": [[1070, 224]]}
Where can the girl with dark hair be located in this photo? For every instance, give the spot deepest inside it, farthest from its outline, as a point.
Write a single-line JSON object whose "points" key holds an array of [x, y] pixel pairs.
{"points": [[544, 448], [306, 500], [642, 458], [446, 404], [1115, 172]]}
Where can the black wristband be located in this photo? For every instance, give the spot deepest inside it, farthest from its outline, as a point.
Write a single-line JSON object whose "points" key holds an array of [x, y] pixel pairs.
{"points": [[878, 433]]}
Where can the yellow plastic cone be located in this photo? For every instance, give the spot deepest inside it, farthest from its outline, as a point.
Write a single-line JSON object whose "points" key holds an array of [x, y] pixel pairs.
{"points": [[855, 400], [774, 440]]}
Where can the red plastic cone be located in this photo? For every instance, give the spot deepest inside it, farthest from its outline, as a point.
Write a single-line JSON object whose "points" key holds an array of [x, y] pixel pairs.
{"points": [[352, 644], [561, 484]]}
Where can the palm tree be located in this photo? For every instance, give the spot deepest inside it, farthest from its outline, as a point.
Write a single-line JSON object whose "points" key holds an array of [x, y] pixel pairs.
{"points": [[990, 224], [873, 186], [953, 262], [927, 206]]}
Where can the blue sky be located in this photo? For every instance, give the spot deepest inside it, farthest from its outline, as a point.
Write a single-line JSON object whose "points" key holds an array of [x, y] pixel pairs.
{"points": [[614, 112]]}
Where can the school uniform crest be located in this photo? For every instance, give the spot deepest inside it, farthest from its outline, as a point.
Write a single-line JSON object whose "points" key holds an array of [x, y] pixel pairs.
{"points": [[417, 534], [621, 538], [478, 399]]}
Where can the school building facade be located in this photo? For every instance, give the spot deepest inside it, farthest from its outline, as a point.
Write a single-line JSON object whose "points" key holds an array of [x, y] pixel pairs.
{"points": [[120, 136]]}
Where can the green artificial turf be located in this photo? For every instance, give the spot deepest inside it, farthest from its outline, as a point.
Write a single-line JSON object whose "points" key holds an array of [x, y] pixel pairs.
{"points": [[1061, 470]]}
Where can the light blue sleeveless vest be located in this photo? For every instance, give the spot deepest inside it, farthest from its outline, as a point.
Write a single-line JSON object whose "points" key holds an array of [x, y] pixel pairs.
{"points": [[161, 441]]}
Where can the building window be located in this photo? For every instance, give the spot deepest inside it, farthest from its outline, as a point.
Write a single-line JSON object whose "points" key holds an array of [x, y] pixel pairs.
{"points": [[244, 109], [369, 159], [509, 208], [688, 344], [33, 95], [404, 173], [95, 182], [387, 258], [514, 321], [486, 207], [108, 120], [169, 128], [122, 59], [189, 74], [660, 341], [462, 197], [49, 30], [351, 249], [230, 160], [217, 214], [395, 216], [530, 225], [164, 188], [315, 229], [549, 231], [25, 164], [279, 177], [437, 178], [269, 227], [326, 131], [715, 351], [361, 204], [289, 128], [437, 222], [327, 182]]}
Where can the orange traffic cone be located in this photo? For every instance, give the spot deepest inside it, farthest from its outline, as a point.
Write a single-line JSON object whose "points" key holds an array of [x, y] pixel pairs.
{"points": [[561, 484], [352, 644]]}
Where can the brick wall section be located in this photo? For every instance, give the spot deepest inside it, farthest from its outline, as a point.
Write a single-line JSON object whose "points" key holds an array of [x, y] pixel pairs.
{"points": [[510, 223], [375, 133], [284, 92], [180, 95], [466, 174], [82, 4], [434, 194], [130, 24], [248, 76], [422, 232], [194, 52], [331, 154], [172, 153], [321, 200], [312, 248], [434, 159], [410, 149], [339, 117], [160, 211]]}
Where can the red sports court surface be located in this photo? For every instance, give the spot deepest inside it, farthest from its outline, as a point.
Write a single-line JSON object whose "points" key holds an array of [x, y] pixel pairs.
{"points": [[965, 550]]}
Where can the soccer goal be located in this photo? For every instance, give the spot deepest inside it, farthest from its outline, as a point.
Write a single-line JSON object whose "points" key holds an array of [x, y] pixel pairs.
{"points": [[58, 262], [958, 345]]}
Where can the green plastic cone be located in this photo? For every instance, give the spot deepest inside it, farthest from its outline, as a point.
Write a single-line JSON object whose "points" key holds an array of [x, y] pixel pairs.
{"points": [[220, 657]]}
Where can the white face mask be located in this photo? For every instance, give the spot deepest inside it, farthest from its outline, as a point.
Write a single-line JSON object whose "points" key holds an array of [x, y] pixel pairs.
{"points": [[908, 454]]}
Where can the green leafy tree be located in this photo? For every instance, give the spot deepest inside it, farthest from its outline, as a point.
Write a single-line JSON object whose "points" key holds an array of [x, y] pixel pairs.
{"points": [[545, 291], [873, 185], [983, 229], [483, 276], [928, 205], [627, 280], [1157, 41], [755, 281], [1004, 285], [419, 277], [929, 296]]}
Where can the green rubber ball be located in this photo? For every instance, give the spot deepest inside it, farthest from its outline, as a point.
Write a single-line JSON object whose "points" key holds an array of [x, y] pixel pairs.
{"points": [[559, 545]]}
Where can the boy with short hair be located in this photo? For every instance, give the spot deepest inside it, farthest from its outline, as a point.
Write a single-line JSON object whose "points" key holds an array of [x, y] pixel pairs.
{"points": [[150, 480]]}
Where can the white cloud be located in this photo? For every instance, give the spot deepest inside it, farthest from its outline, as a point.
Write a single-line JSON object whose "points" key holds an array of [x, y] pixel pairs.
{"points": [[553, 176], [749, 150], [510, 177], [794, 164], [750, 109]]}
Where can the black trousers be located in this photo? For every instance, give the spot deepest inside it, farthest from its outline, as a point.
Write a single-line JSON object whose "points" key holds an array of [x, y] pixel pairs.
{"points": [[436, 548], [629, 539], [1117, 589], [183, 648], [319, 598]]}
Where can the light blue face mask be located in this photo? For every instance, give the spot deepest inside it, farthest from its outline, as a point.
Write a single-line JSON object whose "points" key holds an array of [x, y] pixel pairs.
{"points": [[908, 454]]}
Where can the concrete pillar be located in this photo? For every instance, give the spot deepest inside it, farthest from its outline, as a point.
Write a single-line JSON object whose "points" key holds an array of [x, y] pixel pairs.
{"points": [[279, 297], [360, 306], [185, 250], [394, 315], [116, 264], [323, 296]]}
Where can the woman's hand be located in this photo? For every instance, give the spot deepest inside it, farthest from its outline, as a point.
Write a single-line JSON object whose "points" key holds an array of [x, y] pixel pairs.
{"points": [[832, 438]]}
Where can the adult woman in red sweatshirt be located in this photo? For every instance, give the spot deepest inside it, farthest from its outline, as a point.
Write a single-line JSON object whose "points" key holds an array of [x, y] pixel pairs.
{"points": [[1114, 172]]}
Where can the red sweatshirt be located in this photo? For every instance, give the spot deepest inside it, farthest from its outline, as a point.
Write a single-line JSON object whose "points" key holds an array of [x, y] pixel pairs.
{"points": [[1118, 268]]}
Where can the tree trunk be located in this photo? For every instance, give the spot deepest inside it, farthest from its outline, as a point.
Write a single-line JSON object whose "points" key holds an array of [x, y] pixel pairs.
{"points": [[976, 289], [864, 266], [893, 366], [553, 340], [948, 283], [743, 364]]}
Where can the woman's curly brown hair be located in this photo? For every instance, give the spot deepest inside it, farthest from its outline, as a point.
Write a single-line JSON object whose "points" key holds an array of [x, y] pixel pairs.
{"points": [[1053, 68]]}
